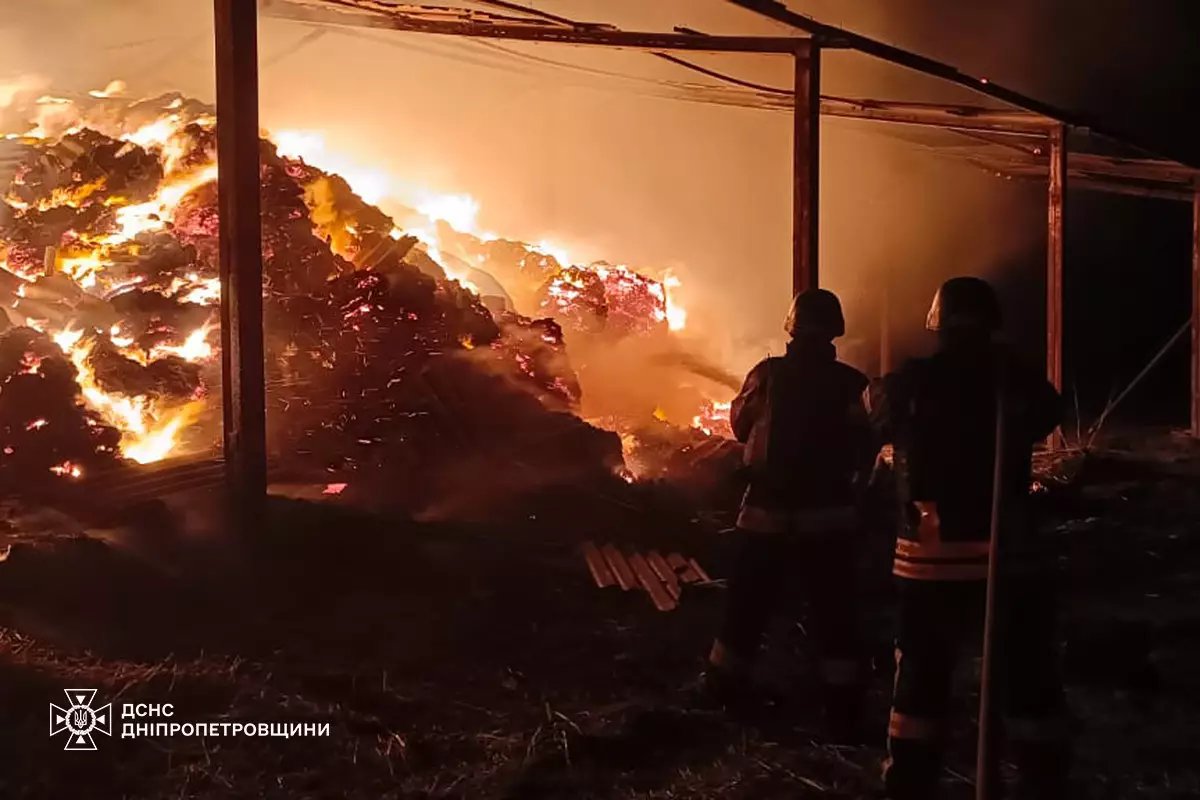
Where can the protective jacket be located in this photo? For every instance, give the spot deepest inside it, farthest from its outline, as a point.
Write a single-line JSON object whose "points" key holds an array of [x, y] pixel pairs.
{"points": [[807, 436], [940, 415]]}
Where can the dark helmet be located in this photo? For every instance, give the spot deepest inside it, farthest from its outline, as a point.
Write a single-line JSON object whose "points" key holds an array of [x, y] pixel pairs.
{"points": [[817, 312], [964, 303]]}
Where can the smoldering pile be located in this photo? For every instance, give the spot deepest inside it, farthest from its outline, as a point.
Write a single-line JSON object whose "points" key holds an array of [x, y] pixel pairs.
{"points": [[47, 433], [382, 372]]}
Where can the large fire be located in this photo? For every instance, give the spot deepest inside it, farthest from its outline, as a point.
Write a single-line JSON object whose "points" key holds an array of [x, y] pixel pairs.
{"points": [[76, 255], [149, 424], [447, 227]]}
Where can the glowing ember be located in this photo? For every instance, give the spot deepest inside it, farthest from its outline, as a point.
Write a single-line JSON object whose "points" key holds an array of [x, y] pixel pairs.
{"points": [[67, 469], [31, 363], [713, 419]]}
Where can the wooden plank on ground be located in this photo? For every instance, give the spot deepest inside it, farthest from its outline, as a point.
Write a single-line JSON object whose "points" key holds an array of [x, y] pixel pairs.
{"points": [[620, 568], [682, 568], [664, 572], [699, 570], [601, 573], [650, 582]]}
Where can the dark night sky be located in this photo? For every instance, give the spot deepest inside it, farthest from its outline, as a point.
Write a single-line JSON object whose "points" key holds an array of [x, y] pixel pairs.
{"points": [[1130, 63]]}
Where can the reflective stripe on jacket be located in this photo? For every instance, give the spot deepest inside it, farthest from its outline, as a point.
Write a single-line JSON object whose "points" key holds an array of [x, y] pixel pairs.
{"points": [[940, 561], [923, 555], [940, 415]]}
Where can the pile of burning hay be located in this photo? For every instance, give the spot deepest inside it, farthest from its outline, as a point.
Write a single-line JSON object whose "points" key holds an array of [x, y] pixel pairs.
{"points": [[384, 372]]}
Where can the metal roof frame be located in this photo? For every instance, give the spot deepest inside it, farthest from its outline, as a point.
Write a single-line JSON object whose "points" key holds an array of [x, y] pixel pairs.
{"points": [[1146, 175]]}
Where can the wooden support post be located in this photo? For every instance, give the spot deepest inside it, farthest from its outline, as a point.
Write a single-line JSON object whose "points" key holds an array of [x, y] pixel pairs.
{"points": [[806, 163], [1196, 313], [1055, 243], [243, 391]]}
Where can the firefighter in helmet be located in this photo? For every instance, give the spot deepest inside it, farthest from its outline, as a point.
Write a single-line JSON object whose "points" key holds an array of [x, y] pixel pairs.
{"points": [[804, 424], [940, 413]]}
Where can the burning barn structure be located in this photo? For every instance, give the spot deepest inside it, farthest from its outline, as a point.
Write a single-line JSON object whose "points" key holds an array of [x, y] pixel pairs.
{"points": [[313, 327]]}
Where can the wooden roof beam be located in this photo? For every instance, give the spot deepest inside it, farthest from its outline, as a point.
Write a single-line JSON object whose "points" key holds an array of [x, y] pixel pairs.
{"points": [[1134, 190], [1091, 183], [1139, 169], [965, 118], [356, 16], [1097, 168]]}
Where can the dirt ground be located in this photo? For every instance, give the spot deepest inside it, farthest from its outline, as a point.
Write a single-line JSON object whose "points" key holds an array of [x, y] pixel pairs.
{"points": [[480, 661]]}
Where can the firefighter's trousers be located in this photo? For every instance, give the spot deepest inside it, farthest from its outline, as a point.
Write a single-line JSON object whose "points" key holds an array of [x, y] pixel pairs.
{"points": [[939, 621], [771, 571]]}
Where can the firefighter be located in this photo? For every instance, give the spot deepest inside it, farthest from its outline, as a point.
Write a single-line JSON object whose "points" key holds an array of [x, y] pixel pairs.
{"points": [[804, 424], [940, 415]]}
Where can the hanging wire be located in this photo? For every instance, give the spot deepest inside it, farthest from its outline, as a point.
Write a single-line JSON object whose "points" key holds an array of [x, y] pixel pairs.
{"points": [[682, 90], [721, 76], [304, 41]]}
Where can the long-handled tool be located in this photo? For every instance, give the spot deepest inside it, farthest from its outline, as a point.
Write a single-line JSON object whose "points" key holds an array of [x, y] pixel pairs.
{"points": [[984, 757]]}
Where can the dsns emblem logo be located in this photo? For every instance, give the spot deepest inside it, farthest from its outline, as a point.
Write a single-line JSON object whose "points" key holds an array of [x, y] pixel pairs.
{"points": [[79, 719]]}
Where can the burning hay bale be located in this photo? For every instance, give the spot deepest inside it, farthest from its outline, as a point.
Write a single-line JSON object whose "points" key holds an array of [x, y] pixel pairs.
{"points": [[380, 368], [577, 296]]}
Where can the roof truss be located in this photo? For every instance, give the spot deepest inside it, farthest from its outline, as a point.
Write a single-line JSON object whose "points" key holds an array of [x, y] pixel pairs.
{"points": [[1010, 143]]}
